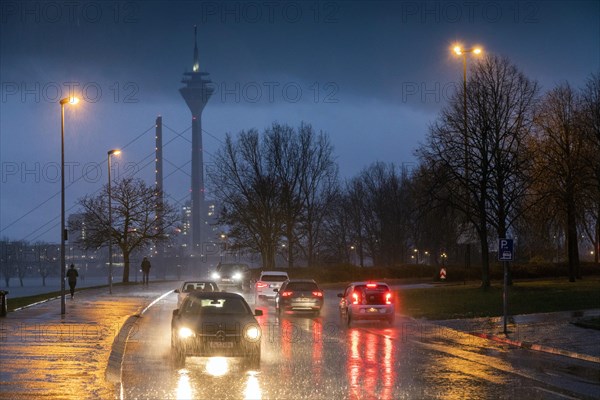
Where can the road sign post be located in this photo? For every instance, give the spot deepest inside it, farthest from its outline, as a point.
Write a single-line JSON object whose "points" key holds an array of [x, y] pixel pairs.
{"points": [[505, 254]]}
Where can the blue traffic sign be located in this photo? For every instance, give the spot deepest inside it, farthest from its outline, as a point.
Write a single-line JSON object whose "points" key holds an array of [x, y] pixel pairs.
{"points": [[505, 250]]}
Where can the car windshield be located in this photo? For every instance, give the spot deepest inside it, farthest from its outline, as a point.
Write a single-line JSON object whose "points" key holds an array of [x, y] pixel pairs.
{"points": [[202, 286], [302, 286], [198, 306], [273, 278]]}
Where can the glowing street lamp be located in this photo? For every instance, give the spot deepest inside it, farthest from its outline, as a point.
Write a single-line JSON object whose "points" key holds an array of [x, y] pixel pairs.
{"points": [[459, 51], [63, 267], [110, 255]]}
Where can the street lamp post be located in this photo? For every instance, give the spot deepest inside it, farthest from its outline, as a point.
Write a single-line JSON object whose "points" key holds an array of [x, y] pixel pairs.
{"points": [[463, 52], [110, 255], [223, 245], [70, 100]]}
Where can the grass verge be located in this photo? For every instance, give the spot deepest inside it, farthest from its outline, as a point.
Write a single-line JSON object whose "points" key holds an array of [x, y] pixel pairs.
{"points": [[18, 302], [470, 301]]}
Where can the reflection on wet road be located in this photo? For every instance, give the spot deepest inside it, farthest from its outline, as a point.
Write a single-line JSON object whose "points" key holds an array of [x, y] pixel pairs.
{"points": [[305, 357]]}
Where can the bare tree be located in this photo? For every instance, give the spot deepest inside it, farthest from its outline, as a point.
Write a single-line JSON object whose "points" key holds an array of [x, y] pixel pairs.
{"points": [[590, 122], [377, 204], [435, 220], [337, 230], [318, 189], [134, 221], [275, 188], [8, 257], [561, 150], [286, 158], [246, 185], [499, 114]]}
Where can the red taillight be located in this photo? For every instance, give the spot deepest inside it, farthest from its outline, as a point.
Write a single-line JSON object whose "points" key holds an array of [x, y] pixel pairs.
{"points": [[261, 285], [388, 298], [316, 293], [355, 298], [371, 285], [286, 293]]}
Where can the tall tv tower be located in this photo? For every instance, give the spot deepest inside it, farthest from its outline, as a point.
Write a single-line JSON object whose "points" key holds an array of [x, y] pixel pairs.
{"points": [[196, 93]]}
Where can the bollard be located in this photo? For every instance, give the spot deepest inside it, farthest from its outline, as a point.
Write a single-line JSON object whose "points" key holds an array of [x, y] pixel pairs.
{"points": [[3, 303]]}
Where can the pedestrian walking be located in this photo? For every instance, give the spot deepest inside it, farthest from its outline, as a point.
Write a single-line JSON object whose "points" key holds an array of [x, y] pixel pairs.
{"points": [[72, 275], [145, 270]]}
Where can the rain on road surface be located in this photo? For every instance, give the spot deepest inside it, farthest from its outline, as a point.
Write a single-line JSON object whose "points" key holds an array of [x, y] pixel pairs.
{"points": [[319, 358]]}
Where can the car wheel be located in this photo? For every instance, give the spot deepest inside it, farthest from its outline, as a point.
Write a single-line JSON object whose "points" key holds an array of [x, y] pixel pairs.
{"points": [[317, 313], [348, 319], [391, 319]]}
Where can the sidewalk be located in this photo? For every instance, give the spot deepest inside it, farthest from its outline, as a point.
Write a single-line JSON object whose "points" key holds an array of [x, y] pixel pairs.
{"points": [[553, 333], [44, 354]]}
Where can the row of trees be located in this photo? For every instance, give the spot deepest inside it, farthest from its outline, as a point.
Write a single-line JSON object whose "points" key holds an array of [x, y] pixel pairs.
{"points": [[21, 259], [527, 166]]}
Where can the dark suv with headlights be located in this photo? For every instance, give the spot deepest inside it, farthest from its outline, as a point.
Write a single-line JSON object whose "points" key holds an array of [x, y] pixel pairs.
{"points": [[215, 324], [232, 275]]}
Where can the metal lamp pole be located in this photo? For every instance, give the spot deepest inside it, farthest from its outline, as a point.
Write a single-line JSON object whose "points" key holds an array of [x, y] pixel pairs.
{"points": [[70, 100], [110, 253]]}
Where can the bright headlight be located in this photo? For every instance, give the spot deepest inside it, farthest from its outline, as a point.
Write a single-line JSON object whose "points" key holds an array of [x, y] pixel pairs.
{"points": [[237, 276], [215, 275], [185, 333], [252, 332]]}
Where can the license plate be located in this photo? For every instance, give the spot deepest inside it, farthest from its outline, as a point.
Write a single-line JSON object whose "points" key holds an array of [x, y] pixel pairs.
{"points": [[303, 299], [373, 310], [221, 345]]}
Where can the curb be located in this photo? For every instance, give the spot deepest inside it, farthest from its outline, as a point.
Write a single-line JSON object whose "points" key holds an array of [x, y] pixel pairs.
{"points": [[537, 347], [114, 366], [115, 359]]}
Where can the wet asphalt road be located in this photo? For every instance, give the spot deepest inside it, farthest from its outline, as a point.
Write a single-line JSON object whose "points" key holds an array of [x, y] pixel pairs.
{"points": [[318, 358]]}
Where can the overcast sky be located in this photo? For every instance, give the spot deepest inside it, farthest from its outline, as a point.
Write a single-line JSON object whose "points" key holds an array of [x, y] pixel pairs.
{"points": [[373, 75]]}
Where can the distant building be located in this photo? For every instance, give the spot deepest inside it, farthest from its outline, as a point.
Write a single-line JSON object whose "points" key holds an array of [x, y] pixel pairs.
{"points": [[77, 230]]}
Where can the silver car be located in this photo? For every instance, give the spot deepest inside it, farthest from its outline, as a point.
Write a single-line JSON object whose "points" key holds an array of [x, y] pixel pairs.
{"points": [[367, 301], [264, 288]]}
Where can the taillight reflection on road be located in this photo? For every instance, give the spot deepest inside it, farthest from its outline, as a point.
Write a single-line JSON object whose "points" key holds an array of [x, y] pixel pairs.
{"points": [[317, 350], [370, 367]]}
